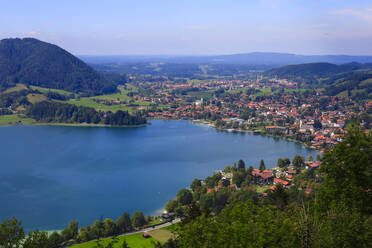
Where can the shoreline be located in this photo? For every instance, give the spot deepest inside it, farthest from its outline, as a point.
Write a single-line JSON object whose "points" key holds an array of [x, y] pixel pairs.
{"points": [[207, 123], [70, 124], [253, 132]]}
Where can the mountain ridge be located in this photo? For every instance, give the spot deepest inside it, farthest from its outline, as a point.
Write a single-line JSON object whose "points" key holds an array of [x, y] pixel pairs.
{"points": [[254, 58], [34, 62]]}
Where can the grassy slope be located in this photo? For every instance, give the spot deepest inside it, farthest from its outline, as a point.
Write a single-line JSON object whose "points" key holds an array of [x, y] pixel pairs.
{"points": [[87, 101], [14, 119], [34, 98], [134, 240], [161, 235], [18, 87], [45, 90]]}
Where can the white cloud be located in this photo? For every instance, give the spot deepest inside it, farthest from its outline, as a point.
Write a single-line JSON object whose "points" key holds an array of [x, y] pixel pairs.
{"points": [[33, 33], [365, 14]]}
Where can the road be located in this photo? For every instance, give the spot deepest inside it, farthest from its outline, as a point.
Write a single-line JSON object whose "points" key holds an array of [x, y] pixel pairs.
{"points": [[153, 228]]}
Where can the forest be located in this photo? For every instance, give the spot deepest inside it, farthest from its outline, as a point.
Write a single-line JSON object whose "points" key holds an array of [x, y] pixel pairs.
{"points": [[33, 62], [54, 112]]}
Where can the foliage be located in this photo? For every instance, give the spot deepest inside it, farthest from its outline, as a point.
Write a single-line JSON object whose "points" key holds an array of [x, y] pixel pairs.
{"points": [[298, 162], [184, 197], [283, 162], [348, 172], [262, 165], [124, 223], [36, 239], [67, 113], [33, 62], [11, 233], [240, 225], [138, 219]]}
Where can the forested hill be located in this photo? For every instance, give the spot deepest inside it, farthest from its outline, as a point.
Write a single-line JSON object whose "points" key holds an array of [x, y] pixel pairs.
{"points": [[315, 71], [33, 62], [353, 79]]}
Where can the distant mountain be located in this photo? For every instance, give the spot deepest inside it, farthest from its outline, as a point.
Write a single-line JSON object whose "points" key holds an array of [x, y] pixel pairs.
{"points": [[33, 62], [256, 58]]}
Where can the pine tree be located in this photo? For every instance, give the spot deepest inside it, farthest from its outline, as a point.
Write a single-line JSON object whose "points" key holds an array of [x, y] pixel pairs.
{"points": [[262, 165]]}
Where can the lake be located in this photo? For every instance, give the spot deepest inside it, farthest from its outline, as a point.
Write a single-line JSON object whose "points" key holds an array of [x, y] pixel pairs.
{"points": [[51, 175]]}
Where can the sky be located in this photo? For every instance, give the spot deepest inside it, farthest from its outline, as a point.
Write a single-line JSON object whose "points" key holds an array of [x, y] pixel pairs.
{"points": [[193, 27]]}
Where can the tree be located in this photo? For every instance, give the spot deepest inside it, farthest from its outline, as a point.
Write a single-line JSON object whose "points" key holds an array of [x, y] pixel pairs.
{"points": [[241, 224], [71, 231], [184, 197], [124, 224], [348, 172], [171, 205], [309, 158], [318, 157], [279, 196], [192, 212], [11, 233], [54, 240], [317, 125], [36, 239], [298, 162], [241, 165], [138, 219], [195, 185], [110, 227], [238, 178], [125, 244], [97, 229], [262, 165], [283, 162]]}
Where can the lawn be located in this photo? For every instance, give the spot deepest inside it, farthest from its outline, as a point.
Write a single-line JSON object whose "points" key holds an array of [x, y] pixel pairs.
{"points": [[86, 102], [133, 240], [264, 91], [201, 94], [14, 119], [122, 95], [18, 87], [262, 189], [172, 228], [161, 235], [34, 98], [45, 90]]}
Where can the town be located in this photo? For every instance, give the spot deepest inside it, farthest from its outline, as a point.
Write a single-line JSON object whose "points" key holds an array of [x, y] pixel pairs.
{"points": [[269, 106]]}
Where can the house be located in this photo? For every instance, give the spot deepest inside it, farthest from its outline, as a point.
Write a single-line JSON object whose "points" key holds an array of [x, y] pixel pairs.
{"points": [[277, 180], [264, 177], [312, 165]]}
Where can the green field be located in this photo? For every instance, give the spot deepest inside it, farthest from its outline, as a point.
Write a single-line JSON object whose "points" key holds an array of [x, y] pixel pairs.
{"points": [[45, 90], [172, 228], [262, 189], [133, 240], [161, 235], [264, 91], [201, 94], [34, 98], [15, 119], [18, 87], [122, 95]]}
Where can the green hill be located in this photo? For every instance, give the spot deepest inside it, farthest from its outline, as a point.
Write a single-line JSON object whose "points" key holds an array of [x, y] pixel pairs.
{"points": [[33, 62], [316, 72]]}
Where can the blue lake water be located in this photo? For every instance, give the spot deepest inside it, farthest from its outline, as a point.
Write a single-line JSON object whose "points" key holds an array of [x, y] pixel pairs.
{"points": [[50, 175]]}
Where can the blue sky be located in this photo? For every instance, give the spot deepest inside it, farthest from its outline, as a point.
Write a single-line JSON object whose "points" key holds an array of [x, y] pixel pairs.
{"points": [[192, 27]]}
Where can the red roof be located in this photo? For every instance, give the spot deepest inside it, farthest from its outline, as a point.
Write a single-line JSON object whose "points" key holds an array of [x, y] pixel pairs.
{"points": [[277, 180]]}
